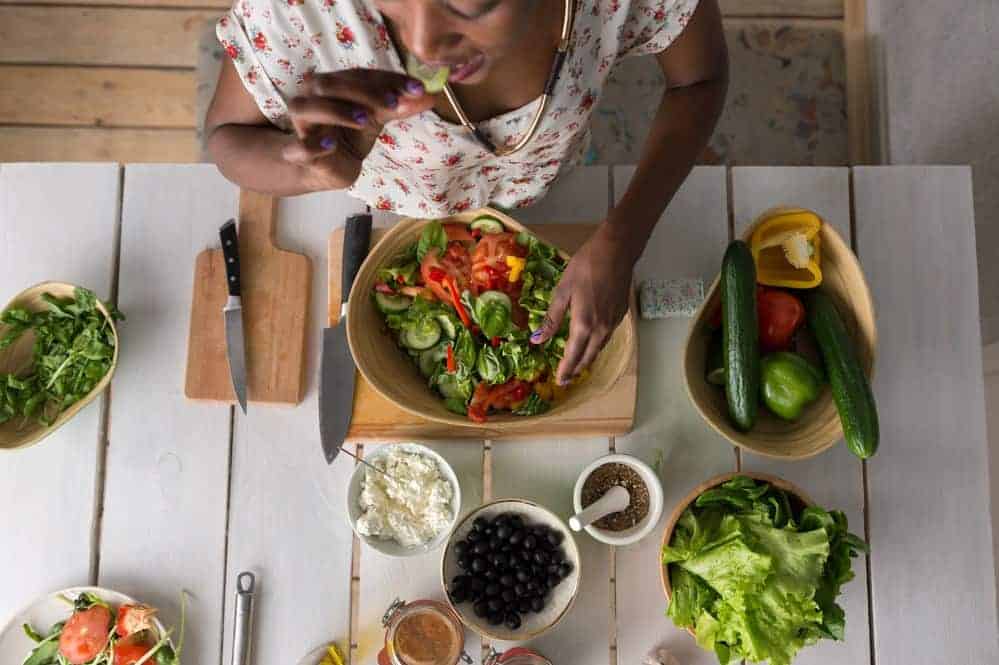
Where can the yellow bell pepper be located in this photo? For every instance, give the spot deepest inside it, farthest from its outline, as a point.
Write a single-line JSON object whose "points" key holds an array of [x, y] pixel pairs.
{"points": [[786, 249], [332, 656], [516, 265]]}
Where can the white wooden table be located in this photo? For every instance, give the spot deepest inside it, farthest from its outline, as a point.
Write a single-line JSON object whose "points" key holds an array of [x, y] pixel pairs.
{"points": [[150, 494]]}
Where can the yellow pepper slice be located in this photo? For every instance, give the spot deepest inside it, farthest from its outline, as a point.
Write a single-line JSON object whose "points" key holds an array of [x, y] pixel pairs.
{"points": [[516, 265], [332, 656], [786, 249]]}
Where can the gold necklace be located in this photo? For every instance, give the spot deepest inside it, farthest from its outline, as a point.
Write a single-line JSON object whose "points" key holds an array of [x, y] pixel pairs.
{"points": [[553, 75]]}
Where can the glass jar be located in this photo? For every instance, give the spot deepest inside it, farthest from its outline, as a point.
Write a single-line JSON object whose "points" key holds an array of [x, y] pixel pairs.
{"points": [[424, 632], [515, 656]]}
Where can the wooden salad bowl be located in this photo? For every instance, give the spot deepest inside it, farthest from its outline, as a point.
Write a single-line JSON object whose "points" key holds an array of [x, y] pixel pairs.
{"points": [[17, 358], [819, 427], [793, 490], [396, 378]]}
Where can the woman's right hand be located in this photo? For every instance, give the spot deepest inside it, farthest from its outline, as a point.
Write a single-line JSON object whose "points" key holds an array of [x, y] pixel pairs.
{"points": [[341, 116]]}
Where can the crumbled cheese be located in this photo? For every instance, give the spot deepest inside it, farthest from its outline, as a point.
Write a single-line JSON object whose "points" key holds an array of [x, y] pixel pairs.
{"points": [[413, 506]]}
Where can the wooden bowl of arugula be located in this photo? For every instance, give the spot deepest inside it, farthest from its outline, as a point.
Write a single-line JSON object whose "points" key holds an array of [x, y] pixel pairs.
{"points": [[58, 351]]}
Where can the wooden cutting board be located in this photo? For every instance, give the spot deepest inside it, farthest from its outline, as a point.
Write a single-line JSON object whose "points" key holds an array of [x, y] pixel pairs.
{"points": [[276, 286], [377, 419]]}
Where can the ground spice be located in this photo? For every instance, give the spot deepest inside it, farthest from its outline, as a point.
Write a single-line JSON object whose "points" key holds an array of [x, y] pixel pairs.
{"points": [[611, 475], [426, 638]]}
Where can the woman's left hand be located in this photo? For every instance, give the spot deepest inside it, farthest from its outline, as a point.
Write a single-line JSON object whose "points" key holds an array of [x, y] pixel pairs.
{"points": [[596, 285]]}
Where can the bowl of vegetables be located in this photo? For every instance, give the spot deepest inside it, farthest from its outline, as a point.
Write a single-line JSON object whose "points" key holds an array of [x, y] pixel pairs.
{"points": [[58, 352], [440, 318], [752, 568], [780, 355]]}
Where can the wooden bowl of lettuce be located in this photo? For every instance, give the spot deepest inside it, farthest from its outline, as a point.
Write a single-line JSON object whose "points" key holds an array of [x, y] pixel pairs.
{"points": [[58, 352], [383, 362], [752, 567]]}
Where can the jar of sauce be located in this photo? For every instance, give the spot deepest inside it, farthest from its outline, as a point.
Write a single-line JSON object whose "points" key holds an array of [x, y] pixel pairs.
{"points": [[515, 656], [424, 632]]}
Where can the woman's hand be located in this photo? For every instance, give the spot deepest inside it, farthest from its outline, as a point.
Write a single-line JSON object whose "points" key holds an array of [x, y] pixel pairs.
{"points": [[596, 286], [337, 122]]}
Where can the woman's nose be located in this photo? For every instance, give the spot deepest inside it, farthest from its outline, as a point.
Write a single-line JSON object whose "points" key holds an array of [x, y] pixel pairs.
{"points": [[431, 35]]}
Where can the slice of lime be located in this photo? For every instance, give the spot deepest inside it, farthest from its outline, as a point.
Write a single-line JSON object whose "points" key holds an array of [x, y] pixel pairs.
{"points": [[433, 78]]}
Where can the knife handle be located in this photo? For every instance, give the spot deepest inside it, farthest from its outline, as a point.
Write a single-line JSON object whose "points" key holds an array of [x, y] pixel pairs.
{"points": [[356, 241], [230, 252]]}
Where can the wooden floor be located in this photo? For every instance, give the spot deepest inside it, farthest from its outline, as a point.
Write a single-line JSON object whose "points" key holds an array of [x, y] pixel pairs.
{"points": [[114, 80]]}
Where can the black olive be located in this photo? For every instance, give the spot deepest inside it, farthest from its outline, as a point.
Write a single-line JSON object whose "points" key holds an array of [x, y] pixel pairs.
{"points": [[479, 565], [495, 543], [513, 620], [493, 589], [508, 595], [507, 580], [496, 618], [492, 575], [489, 530], [504, 531], [481, 609], [524, 605], [522, 576], [538, 571], [537, 604], [516, 522], [555, 538], [475, 596], [474, 536], [476, 583], [464, 563], [517, 537], [480, 548], [557, 556], [553, 581], [500, 560], [460, 548], [520, 589], [501, 520], [531, 586], [461, 580], [530, 542], [459, 595], [479, 523], [525, 555], [541, 557], [565, 569], [495, 604]]}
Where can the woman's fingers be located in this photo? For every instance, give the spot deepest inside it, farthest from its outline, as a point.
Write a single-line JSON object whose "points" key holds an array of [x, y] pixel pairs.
{"points": [[575, 348], [593, 348], [388, 95], [306, 112], [555, 315]]}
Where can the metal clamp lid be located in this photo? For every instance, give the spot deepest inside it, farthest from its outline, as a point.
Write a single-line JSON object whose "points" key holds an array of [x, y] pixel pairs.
{"points": [[392, 610]]}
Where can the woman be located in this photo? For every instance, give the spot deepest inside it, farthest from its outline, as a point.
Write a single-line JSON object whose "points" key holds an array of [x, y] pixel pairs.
{"points": [[314, 97]]}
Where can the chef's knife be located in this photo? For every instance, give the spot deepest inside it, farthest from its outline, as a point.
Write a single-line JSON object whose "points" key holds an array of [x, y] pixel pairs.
{"points": [[336, 366], [235, 346]]}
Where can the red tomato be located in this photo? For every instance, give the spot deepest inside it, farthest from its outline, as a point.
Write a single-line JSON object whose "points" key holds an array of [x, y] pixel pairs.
{"points": [[459, 232], [85, 634], [455, 263], [780, 314], [134, 619], [489, 268], [129, 654], [502, 397]]}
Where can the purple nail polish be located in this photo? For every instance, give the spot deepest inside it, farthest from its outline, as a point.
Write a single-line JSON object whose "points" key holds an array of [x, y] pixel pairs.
{"points": [[360, 116], [536, 335], [327, 143], [414, 87], [391, 100]]}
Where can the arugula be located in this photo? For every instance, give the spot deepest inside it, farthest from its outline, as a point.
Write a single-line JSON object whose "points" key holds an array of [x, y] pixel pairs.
{"points": [[533, 406], [72, 352], [433, 237]]}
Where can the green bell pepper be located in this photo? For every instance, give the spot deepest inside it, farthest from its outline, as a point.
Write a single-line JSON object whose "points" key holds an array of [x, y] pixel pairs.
{"points": [[790, 383]]}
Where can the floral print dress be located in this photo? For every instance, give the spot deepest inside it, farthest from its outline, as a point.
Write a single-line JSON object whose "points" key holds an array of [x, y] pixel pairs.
{"points": [[425, 166]]}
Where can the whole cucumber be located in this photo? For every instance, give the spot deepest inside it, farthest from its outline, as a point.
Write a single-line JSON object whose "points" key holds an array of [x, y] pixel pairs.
{"points": [[740, 335], [850, 388]]}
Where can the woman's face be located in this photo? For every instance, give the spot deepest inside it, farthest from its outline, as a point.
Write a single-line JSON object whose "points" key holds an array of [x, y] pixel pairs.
{"points": [[468, 36]]}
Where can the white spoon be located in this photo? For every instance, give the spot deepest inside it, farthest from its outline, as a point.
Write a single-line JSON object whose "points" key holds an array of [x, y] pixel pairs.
{"points": [[615, 500]]}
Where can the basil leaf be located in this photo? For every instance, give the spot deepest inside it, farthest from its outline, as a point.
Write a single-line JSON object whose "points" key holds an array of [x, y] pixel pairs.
{"points": [[433, 237], [533, 406], [491, 367]]}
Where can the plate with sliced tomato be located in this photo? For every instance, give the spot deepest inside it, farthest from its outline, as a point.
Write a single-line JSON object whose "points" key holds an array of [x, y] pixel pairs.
{"points": [[87, 626]]}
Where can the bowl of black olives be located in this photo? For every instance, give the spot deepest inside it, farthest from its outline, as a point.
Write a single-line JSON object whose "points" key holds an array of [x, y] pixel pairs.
{"points": [[510, 570]]}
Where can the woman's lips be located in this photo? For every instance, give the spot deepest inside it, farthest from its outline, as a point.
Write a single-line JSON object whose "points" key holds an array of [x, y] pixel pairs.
{"points": [[463, 71]]}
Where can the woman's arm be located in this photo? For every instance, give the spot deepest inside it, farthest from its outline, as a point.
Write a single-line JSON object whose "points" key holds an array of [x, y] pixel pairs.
{"points": [[335, 122], [597, 282]]}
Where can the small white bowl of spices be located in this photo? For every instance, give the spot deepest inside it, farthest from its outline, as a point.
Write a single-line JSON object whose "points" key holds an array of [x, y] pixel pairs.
{"points": [[645, 498]]}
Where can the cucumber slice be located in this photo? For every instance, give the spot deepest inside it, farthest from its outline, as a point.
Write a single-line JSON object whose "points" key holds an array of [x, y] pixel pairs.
{"points": [[389, 304], [433, 78], [490, 297], [447, 326], [431, 358], [447, 384], [422, 336], [487, 224]]}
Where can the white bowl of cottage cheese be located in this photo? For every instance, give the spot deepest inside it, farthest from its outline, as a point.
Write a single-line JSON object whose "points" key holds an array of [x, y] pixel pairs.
{"points": [[410, 513]]}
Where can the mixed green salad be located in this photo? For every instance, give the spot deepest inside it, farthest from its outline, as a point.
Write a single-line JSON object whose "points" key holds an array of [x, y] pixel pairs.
{"points": [[462, 302], [73, 350], [755, 575], [98, 634]]}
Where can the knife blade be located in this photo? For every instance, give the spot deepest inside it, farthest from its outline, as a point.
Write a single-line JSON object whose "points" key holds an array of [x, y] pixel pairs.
{"points": [[336, 365], [232, 313]]}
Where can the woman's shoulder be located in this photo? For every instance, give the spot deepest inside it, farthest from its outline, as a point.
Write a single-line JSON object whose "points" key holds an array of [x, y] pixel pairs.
{"points": [[638, 27]]}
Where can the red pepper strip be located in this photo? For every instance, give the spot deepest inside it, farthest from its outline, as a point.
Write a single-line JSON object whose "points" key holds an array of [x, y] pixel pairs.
{"points": [[495, 341], [437, 274], [400, 279], [452, 366], [450, 285]]}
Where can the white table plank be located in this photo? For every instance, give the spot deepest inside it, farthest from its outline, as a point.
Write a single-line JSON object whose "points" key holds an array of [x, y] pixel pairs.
{"points": [[835, 478], [168, 458], [383, 578], [286, 516], [57, 222], [931, 565], [688, 242]]}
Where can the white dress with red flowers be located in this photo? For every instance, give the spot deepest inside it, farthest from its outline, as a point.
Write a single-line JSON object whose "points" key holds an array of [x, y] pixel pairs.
{"points": [[424, 166]]}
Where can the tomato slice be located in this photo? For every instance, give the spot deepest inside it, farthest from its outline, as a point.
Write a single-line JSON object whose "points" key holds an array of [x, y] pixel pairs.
{"points": [[129, 654], [489, 268], [780, 314], [85, 635], [435, 269], [458, 232], [502, 397], [134, 619]]}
